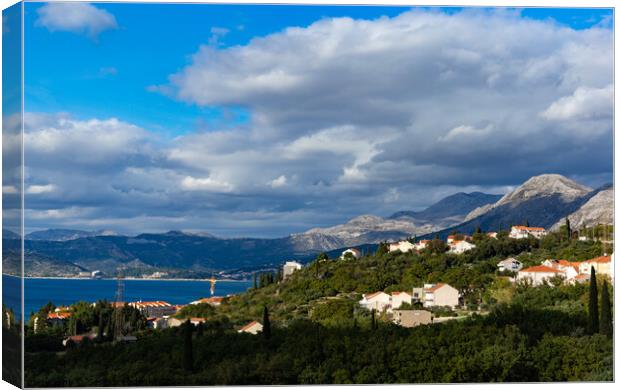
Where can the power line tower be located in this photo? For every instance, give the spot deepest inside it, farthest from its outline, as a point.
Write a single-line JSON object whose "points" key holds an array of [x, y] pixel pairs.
{"points": [[119, 304]]}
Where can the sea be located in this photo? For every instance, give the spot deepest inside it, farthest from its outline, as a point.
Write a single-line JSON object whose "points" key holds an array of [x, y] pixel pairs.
{"points": [[39, 291]]}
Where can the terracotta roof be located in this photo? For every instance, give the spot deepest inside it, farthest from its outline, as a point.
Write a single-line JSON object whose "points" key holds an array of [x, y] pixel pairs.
{"points": [[370, 296], [582, 276], [251, 324], [540, 268], [600, 259], [198, 319], [399, 292], [535, 229], [58, 316], [146, 304], [566, 263], [434, 288]]}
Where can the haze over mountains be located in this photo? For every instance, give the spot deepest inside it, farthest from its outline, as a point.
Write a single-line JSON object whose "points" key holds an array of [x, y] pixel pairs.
{"points": [[543, 200]]}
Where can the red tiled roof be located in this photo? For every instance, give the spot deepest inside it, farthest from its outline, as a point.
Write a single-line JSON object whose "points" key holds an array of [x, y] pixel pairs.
{"points": [[540, 268], [59, 316], [370, 296], [146, 304], [435, 287], [248, 326], [399, 292], [535, 229], [600, 259]]}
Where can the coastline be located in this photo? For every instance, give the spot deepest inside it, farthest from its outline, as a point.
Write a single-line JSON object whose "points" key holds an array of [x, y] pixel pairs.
{"points": [[140, 279]]}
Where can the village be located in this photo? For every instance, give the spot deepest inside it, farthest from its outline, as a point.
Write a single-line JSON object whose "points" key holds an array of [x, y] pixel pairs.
{"points": [[430, 303]]}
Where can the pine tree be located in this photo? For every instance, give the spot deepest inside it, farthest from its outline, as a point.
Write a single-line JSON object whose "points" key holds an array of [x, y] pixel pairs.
{"points": [[593, 324], [188, 353], [606, 326], [266, 324]]}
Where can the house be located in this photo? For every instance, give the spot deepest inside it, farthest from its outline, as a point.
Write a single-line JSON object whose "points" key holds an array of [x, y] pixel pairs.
{"points": [[417, 294], [510, 264], [538, 274], [96, 274], [197, 320], [289, 268], [58, 318], [519, 232], [352, 252], [172, 322], [457, 237], [403, 246], [569, 269], [411, 318], [400, 297], [492, 235], [601, 265], [84, 274], [154, 308], [253, 327], [421, 244], [581, 278], [460, 246], [213, 301], [440, 294], [378, 301]]}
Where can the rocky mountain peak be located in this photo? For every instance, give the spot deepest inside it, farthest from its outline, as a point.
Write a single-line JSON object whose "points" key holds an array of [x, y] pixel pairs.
{"points": [[545, 185]]}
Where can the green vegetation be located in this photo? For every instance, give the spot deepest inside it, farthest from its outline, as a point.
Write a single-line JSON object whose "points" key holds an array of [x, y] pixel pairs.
{"points": [[314, 330]]}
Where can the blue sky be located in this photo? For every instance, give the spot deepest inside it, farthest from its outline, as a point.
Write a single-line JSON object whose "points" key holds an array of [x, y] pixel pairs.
{"points": [[270, 120]]}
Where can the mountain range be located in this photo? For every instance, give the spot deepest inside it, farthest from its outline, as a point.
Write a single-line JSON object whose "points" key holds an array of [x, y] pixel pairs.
{"points": [[544, 200]]}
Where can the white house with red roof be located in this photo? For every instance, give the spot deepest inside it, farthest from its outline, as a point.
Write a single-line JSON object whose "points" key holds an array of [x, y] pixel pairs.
{"points": [[519, 232], [538, 274], [421, 244], [400, 297], [154, 308], [440, 294], [253, 327], [460, 246], [378, 301], [601, 265], [569, 269], [403, 246]]}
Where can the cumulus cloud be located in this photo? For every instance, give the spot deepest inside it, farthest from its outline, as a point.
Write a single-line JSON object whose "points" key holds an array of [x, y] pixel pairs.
{"points": [[584, 103], [81, 18], [348, 117]]}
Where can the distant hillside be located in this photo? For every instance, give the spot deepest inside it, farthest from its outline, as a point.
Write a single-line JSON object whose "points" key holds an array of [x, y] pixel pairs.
{"points": [[541, 201], [599, 209], [457, 205], [65, 234]]}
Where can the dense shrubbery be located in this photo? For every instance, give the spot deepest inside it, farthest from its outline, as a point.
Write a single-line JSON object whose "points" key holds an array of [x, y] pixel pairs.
{"points": [[321, 335]]}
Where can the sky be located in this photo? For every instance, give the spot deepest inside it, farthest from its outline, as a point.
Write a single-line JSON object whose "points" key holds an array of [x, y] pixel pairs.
{"points": [[264, 121]]}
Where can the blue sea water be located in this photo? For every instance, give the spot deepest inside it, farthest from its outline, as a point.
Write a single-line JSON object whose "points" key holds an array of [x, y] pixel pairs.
{"points": [[66, 291]]}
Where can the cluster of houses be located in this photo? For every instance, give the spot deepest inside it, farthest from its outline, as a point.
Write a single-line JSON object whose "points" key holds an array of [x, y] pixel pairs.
{"points": [[569, 271], [430, 295]]}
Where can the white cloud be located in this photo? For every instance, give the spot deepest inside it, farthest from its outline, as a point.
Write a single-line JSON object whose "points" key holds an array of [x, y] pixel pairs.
{"points": [[205, 184], [465, 131], [40, 189], [81, 18], [280, 181], [584, 103]]}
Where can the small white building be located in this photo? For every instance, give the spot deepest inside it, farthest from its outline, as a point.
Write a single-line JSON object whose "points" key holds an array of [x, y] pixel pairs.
{"points": [[378, 301], [440, 294], [538, 274], [403, 246], [400, 297], [289, 268], [519, 232], [509, 264], [461, 246], [602, 266], [96, 274], [253, 327], [353, 252], [421, 244], [492, 235]]}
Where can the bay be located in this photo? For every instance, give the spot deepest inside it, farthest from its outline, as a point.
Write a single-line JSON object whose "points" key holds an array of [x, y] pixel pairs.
{"points": [[67, 291]]}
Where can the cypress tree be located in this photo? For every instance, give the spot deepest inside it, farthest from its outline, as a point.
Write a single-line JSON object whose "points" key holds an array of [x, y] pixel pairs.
{"points": [[478, 229], [606, 326], [188, 353], [266, 324], [255, 281], [200, 329], [527, 223], [373, 320], [593, 304], [569, 233]]}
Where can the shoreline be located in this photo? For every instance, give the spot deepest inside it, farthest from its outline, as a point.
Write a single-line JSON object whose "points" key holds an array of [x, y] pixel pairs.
{"points": [[139, 279]]}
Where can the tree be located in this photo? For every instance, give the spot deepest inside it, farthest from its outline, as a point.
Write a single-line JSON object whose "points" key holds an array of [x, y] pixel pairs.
{"points": [[188, 353], [569, 233], [478, 229], [200, 329], [266, 324], [593, 324], [382, 249], [527, 223], [606, 326], [255, 281], [373, 320]]}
